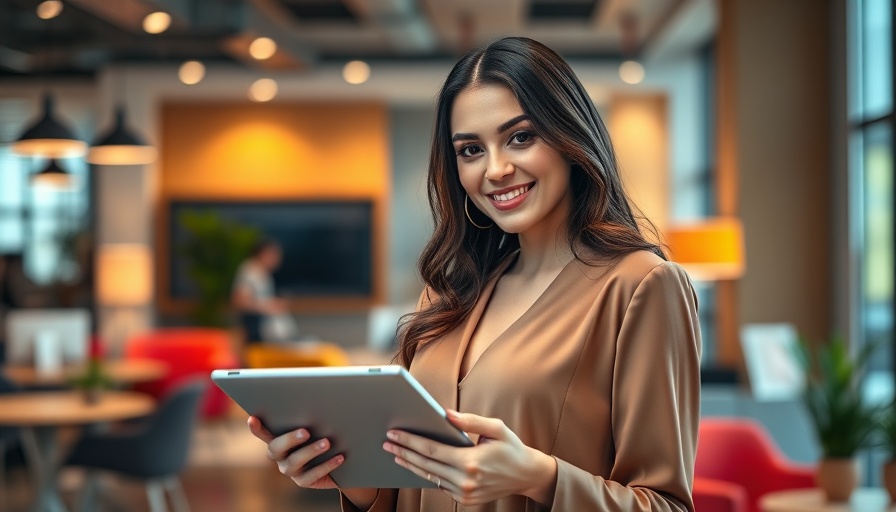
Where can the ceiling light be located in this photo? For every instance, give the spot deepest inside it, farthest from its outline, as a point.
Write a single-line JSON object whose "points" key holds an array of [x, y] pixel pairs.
{"points": [[264, 89], [262, 48], [157, 22], [631, 72], [120, 146], [356, 72], [48, 137], [191, 72], [49, 9], [53, 175]]}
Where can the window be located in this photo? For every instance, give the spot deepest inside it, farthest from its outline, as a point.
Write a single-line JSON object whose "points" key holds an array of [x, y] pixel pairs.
{"points": [[42, 224], [870, 66]]}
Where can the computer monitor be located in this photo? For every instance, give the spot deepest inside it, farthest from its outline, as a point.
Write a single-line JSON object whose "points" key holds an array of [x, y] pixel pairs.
{"points": [[70, 329]]}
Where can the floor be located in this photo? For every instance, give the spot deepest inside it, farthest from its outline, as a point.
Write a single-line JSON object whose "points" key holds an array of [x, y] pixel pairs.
{"points": [[227, 472]]}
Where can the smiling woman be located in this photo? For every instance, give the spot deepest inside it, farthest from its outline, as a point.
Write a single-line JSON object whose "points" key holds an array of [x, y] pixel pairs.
{"points": [[555, 333]]}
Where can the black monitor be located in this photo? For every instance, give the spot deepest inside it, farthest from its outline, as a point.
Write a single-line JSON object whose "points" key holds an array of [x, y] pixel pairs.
{"points": [[327, 245]]}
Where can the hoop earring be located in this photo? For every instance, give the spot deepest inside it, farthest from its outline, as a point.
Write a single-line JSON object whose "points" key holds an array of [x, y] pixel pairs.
{"points": [[467, 211]]}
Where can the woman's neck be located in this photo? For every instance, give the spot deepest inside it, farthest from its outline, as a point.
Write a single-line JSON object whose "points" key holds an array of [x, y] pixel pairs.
{"points": [[544, 248]]}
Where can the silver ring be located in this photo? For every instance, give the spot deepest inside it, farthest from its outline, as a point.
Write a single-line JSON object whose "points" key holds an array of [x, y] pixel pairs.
{"points": [[429, 476], [439, 483]]}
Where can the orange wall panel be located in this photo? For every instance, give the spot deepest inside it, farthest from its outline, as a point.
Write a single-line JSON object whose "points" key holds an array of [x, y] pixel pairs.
{"points": [[274, 150]]}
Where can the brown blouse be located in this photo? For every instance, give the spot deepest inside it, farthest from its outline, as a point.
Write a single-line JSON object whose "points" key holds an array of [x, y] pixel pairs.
{"points": [[602, 372]]}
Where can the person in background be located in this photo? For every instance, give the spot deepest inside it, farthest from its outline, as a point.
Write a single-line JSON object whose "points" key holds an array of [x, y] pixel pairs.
{"points": [[551, 327], [254, 295]]}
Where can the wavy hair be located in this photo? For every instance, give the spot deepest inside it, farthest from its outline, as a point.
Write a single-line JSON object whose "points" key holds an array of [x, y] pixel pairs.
{"points": [[459, 259]]}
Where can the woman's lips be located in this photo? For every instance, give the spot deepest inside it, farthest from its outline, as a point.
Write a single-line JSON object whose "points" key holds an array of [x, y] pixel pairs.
{"points": [[510, 199]]}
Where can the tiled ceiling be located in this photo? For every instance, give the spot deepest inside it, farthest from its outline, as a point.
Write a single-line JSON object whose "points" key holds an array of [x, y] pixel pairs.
{"points": [[89, 34]]}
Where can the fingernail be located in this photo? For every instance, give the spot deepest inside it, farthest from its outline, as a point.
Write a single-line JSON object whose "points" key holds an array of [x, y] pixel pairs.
{"points": [[301, 434], [339, 459], [321, 445], [399, 461], [387, 447], [392, 435]]}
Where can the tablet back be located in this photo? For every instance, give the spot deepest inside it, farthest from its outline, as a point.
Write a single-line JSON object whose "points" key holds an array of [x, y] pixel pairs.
{"points": [[353, 407]]}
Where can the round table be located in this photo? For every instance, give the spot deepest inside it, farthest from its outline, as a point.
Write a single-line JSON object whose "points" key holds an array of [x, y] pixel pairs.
{"points": [[119, 371], [865, 499], [41, 413]]}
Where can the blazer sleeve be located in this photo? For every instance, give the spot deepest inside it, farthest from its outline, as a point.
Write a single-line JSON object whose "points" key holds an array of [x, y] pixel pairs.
{"points": [[655, 405]]}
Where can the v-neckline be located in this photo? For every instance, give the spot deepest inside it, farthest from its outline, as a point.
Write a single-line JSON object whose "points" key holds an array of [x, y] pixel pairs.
{"points": [[479, 309]]}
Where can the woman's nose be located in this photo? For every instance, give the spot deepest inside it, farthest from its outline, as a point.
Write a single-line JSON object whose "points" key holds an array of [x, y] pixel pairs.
{"points": [[498, 169]]}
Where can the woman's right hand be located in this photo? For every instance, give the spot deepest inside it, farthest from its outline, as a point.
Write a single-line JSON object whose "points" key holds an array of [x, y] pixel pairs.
{"points": [[292, 452]]}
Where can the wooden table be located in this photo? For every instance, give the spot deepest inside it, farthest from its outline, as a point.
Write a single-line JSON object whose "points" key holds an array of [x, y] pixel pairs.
{"points": [[40, 413], [120, 371], [812, 500]]}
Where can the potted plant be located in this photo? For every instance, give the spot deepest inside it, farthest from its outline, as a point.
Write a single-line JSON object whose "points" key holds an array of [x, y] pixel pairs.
{"points": [[93, 380], [843, 423], [213, 252]]}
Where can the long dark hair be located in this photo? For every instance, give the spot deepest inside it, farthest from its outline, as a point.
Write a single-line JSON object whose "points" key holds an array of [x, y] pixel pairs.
{"points": [[460, 258]]}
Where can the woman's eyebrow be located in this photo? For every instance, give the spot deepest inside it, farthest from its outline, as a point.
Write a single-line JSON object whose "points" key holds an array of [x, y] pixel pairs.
{"points": [[501, 129]]}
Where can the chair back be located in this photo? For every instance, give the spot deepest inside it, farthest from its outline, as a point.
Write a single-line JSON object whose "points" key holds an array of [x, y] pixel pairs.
{"points": [[165, 443], [740, 451]]}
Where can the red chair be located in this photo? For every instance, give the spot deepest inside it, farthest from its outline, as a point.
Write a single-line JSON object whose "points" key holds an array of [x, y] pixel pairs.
{"points": [[189, 352], [739, 453]]}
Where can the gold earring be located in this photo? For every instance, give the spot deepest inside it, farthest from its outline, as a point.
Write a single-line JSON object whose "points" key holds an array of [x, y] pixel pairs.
{"points": [[467, 211]]}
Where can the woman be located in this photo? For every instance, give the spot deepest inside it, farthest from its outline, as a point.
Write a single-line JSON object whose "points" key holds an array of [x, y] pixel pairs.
{"points": [[569, 343], [253, 295]]}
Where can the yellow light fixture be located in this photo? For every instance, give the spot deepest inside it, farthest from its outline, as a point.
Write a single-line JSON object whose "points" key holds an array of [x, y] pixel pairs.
{"points": [[710, 250], [262, 48], [49, 9], [191, 72], [263, 89], [356, 72], [120, 145], [53, 176], [48, 137], [631, 72], [124, 275], [156, 22]]}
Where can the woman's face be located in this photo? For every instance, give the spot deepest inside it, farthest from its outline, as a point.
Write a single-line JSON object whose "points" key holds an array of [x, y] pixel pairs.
{"points": [[508, 171]]}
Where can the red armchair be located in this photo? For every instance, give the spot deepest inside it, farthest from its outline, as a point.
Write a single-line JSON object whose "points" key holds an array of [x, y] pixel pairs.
{"points": [[188, 352], [737, 463]]}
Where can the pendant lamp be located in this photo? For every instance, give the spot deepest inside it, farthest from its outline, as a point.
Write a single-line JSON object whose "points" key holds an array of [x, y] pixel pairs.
{"points": [[48, 137], [53, 175], [120, 146]]}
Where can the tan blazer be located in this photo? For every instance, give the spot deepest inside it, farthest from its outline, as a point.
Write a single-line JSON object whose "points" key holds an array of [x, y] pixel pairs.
{"points": [[602, 373]]}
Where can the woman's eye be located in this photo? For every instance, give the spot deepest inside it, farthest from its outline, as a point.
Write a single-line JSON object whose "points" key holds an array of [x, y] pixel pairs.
{"points": [[469, 150], [522, 137]]}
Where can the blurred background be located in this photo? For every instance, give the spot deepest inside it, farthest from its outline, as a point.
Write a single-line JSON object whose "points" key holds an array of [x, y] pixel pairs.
{"points": [[149, 145]]}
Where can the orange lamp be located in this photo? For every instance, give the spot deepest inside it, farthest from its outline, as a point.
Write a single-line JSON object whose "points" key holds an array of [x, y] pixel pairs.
{"points": [[710, 250], [124, 275]]}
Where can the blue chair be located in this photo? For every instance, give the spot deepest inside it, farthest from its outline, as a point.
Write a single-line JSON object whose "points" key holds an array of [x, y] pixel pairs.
{"points": [[155, 451]]}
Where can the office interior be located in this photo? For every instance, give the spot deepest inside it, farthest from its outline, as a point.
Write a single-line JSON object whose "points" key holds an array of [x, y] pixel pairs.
{"points": [[756, 135]]}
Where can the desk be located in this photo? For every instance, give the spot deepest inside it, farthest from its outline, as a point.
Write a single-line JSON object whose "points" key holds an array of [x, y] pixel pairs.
{"points": [[120, 371], [41, 413], [812, 500]]}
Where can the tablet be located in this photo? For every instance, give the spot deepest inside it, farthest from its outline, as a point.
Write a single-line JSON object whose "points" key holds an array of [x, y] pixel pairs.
{"points": [[352, 406]]}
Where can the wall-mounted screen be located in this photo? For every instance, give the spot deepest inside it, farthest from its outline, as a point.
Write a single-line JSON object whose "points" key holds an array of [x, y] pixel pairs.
{"points": [[327, 245]]}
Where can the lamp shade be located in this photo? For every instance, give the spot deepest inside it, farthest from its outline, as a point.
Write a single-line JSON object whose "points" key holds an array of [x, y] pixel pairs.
{"points": [[712, 250], [48, 137], [124, 275], [120, 146], [53, 175]]}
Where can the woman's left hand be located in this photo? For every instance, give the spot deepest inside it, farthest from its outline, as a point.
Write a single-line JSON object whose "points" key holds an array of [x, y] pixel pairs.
{"points": [[499, 465]]}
